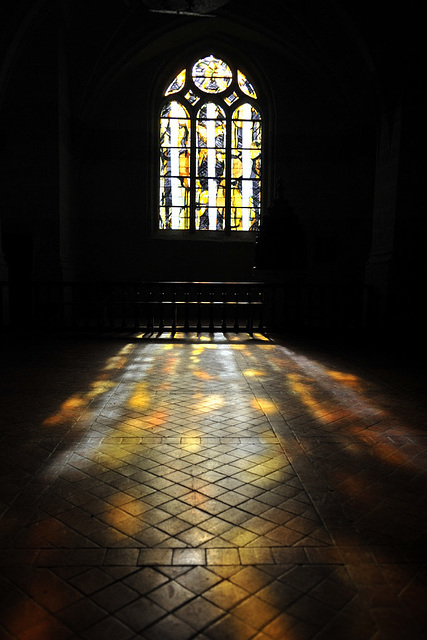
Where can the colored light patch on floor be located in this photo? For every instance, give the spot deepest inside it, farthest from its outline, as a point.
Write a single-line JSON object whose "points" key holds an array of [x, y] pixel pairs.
{"points": [[284, 505]]}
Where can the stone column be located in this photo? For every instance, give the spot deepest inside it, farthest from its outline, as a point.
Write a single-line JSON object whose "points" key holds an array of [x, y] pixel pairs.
{"points": [[65, 159], [378, 274], [4, 288]]}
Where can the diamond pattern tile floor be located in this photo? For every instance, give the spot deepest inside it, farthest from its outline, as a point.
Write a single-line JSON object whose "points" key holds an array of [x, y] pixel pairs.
{"points": [[209, 487]]}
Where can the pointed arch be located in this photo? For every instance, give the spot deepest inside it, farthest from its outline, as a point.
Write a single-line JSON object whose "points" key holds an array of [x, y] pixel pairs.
{"points": [[210, 149]]}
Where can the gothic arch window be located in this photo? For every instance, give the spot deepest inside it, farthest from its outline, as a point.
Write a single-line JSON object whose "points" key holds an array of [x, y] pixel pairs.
{"points": [[210, 150]]}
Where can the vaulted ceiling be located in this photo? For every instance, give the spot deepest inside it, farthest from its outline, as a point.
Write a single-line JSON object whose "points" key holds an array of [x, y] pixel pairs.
{"points": [[361, 52]]}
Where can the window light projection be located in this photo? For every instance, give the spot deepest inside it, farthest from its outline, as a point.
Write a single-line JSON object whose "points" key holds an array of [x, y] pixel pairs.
{"points": [[210, 150]]}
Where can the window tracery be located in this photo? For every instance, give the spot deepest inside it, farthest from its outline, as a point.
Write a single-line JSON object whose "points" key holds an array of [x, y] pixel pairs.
{"points": [[210, 150]]}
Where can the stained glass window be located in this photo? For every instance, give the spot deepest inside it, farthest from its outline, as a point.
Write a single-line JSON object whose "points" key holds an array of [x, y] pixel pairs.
{"points": [[210, 150], [245, 85], [177, 83], [245, 167], [212, 75], [175, 130]]}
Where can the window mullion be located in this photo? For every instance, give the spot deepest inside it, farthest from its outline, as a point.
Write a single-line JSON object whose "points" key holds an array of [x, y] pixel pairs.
{"points": [[228, 177], [213, 105], [193, 170]]}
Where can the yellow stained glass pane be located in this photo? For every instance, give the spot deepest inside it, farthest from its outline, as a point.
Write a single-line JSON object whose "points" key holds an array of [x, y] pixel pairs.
{"points": [[210, 163], [245, 85], [246, 204], [231, 98], [244, 219], [246, 163], [174, 218], [177, 83], [211, 111], [174, 109], [180, 192], [210, 192], [209, 218], [212, 75], [247, 129], [174, 167]]}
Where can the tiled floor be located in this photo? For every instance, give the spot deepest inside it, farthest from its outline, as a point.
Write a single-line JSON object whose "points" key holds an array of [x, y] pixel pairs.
{"points": [[218, 488]]}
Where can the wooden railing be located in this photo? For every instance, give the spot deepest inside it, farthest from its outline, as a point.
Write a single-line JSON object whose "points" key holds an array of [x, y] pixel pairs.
{"points": [[155, 306], [184, 306]]}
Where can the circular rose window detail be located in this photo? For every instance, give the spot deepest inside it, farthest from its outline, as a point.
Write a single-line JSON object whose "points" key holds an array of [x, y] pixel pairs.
{"points": [[212, 75]]}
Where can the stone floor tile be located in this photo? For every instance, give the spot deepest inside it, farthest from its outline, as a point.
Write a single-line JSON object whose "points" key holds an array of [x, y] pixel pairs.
{"points": [[326, 555], [238, 536], [140, 614], [279, 594], [173, 526], [234, 516], [81, 615], [91, 580], [115, 596], [155, 557], [108, 629], [303, 577], [195, 537], [169, 627], [199, 613], [256, 612], [171, 596], [283, 536], [256, 555], [251, 578], [334, 594], [189, 557], [216, 526], [18, 611], [212, 502], [193, 516], [198, 579], [46, 588], [121, 557], [284, 625], [50, 627], [307, 608], [225, 594], [145, 580], [258, 525], [222, 557], [230, 628], [213, 507]]}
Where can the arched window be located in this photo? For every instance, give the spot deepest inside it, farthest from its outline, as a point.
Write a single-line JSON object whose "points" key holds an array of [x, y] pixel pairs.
{"points": [[210, 150]]}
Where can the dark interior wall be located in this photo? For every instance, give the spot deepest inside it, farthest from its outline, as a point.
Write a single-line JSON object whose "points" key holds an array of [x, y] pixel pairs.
{"points": [[78, 105], [409, 265], [120, 143], [329, 183], [29, 159], [319, 143]]}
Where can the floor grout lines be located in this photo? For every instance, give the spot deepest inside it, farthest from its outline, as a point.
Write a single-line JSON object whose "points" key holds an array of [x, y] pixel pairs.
{"points": [[209, 489]]}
